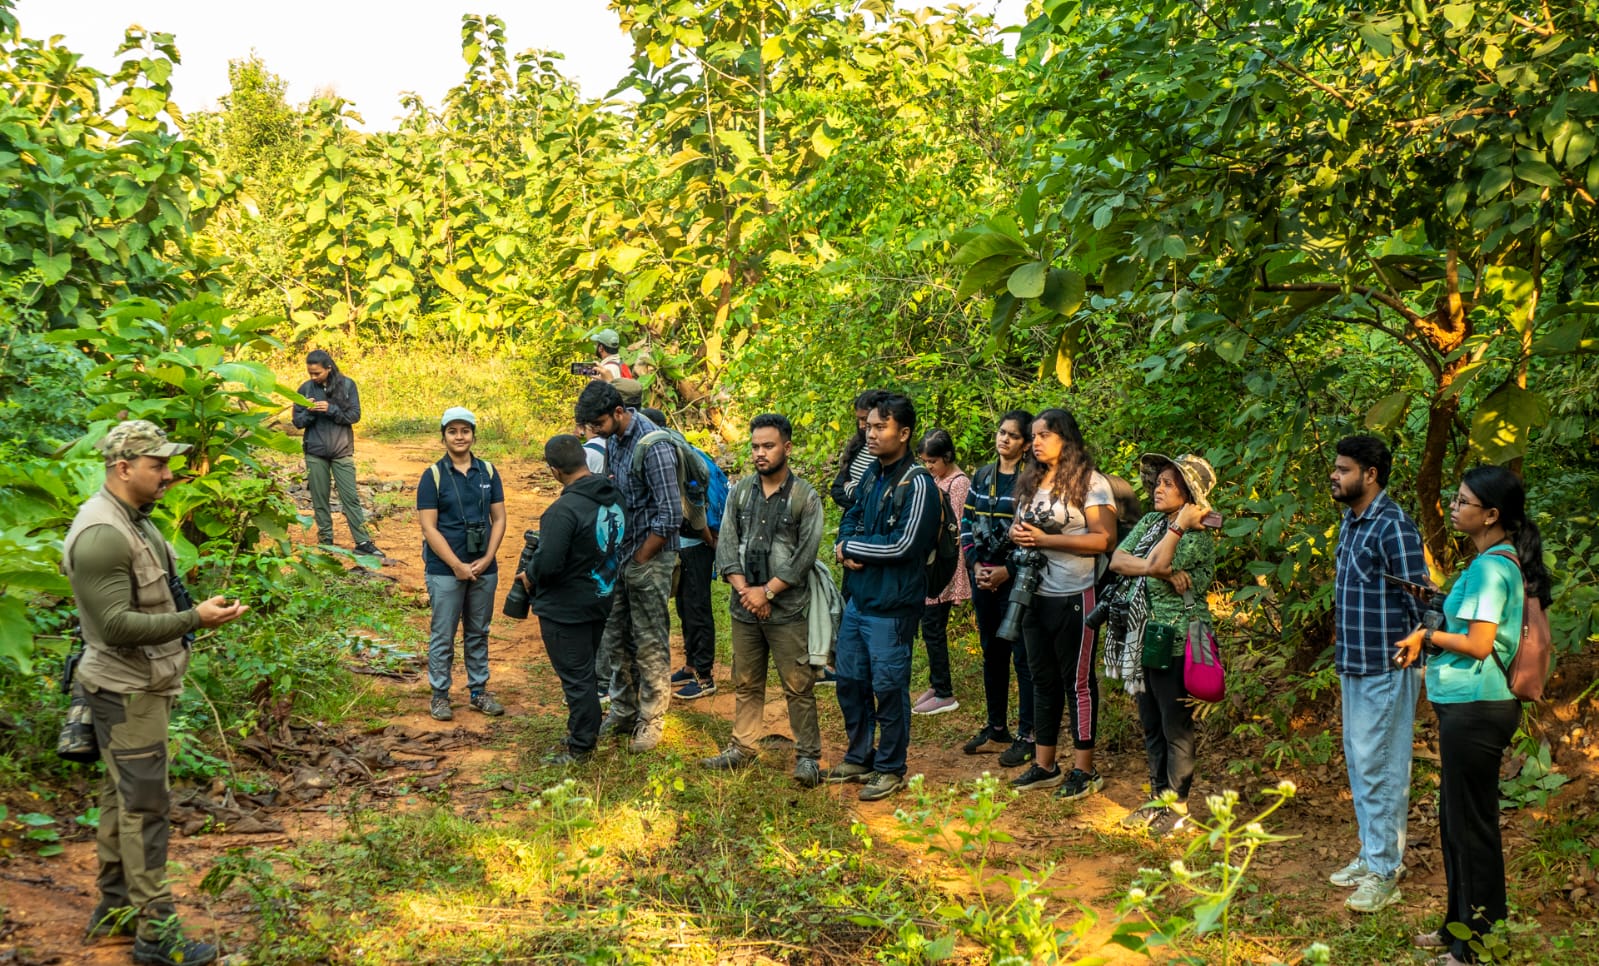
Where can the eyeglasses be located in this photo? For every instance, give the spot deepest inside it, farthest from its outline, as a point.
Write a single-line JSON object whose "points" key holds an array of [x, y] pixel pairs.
{"points": [[1458, 500]]}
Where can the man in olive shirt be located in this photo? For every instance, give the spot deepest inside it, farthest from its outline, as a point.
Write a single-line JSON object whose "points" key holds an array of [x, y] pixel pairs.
{"points": [[136, 653], [770, 533]]}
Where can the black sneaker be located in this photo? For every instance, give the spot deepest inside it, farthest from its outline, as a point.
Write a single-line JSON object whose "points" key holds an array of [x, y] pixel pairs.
{"points": [[174, 950], [988, 736], [1080, 784], [109, 919], [1036, 777], [368, 549], [566, 757], [695, 689], [1019, 753]]}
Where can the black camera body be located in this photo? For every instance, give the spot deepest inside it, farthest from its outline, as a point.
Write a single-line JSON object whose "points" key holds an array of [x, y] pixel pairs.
{"points": [[1112, 606], [182, 600], [1027, 566], [519, 600]]}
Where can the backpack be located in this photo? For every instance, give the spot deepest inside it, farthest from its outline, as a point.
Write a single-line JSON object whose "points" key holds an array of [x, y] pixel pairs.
{"points": [[944, 559], [1533, 662], [716, 491], [693, 477], [437, 480]]}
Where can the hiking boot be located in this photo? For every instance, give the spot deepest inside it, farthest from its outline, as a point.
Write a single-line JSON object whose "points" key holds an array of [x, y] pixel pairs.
{"points": [[484, 702], [1036, 777], [988, 736], [1350, 875], [440, 709], [1144, 817], [615, 726], [731, 758], [881, 785], [368, 549], [936, 705], [826, 678], [1374, 893], [1020, 752], [682, 676], [696, 688], [647, 735], [846, 772], [566, 756], [109, 919], [1079, 784], [172, 949], [808, 772]]}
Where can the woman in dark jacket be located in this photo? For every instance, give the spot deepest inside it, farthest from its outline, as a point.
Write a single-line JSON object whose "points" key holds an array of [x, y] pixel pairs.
{"points": [[329, 445]]}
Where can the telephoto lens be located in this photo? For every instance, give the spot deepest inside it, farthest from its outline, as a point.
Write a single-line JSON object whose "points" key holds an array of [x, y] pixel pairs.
{"points": [[518, 602], [1029, 566]]}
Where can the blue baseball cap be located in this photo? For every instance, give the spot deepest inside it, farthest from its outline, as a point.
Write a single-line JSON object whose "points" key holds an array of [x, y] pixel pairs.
{"points": [[458, 414]]}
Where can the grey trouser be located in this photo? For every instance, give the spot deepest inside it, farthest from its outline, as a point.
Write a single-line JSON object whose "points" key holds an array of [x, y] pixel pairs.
{"points": [[469, 605], [637, 642], [787, 646], [318, 473], [135, 802]]}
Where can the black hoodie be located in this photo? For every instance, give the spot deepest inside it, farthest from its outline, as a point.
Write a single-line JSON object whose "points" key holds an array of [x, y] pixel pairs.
{"points": [[328, 434], [580, 552]]}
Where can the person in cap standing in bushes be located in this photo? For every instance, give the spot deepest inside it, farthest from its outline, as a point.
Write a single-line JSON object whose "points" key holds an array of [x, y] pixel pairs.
{"points": [[329, 445], [460, 504], [137, 623], [607, 349], [1171, 562]]}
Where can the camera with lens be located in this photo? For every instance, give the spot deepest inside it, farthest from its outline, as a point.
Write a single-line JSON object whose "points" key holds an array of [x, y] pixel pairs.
{"points": [[477, 539], [519, 600], [1112, 607], [990, 542], [1432, 618], [182, 600], [1027, 566]]}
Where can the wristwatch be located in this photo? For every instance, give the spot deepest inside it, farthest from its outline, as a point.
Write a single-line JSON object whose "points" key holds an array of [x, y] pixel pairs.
{"points": [[1174, 528], [769, 594], [1426, 639]]}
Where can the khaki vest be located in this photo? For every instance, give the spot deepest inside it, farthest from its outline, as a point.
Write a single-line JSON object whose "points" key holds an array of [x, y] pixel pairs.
{"points": [[150, 669]]}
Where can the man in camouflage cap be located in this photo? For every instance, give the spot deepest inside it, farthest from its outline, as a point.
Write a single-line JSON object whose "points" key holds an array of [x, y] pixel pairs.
{"points": [[136, 641]]}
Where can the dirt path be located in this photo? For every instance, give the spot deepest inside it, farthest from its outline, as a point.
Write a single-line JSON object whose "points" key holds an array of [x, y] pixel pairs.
{"points": [[46, 901]]}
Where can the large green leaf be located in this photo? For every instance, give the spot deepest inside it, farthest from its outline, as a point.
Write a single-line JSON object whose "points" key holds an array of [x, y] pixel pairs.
{"points": [[1503, 423]]}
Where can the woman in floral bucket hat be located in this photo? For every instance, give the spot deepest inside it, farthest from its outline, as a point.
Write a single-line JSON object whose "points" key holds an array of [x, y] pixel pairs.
{"points": [[1167, 563]]}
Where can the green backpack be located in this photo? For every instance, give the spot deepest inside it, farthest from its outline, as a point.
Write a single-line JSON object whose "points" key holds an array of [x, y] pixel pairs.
{"points": [[693, 476]]}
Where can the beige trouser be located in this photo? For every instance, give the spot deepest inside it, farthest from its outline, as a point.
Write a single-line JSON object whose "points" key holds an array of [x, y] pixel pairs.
{"points": [[135, 802], [787, 646]]}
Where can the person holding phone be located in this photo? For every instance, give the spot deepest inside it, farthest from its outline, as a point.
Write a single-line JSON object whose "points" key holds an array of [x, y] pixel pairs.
{"points": [[1376, 538], [1171, 560], [460, 505], [328, 421]]}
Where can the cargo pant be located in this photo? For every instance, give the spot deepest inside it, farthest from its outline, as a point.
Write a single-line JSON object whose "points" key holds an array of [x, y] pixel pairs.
{"points": [[757, 646], [134, 803], [637, 642], [320, 476]]}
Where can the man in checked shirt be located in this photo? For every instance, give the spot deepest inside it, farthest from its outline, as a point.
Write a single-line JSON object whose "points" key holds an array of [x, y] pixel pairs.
{"points": [[636, 644], [1375, 539]]}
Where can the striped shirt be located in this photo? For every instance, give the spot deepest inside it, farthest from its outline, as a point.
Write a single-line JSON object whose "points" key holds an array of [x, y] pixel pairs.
{"points": [[989, 503], [1369, 613], [657, 505]]}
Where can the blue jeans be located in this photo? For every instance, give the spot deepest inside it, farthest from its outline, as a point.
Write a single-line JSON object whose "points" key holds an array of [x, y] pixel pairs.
{"points": [[468, 604], [873, 656], [1379, 728]]}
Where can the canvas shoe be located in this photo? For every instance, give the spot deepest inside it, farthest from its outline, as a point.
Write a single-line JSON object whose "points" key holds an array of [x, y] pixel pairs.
{"points": [[1350, 875], [846, 771], [826, 678], [1019, 753], [484, 702], [682, 676], [936, 705], [440, 708], [988, 736], [881, 785], [647, 735], [1036, 777], [923, 698], [695, 689], [731, 758], [1143, 817], [1079, 784], [368, 549], [1374, 893], [808, 772]]}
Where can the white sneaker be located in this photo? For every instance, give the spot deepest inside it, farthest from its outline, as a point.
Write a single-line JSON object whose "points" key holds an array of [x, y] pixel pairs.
{"points": [[1350, 875], [1374, 893]]}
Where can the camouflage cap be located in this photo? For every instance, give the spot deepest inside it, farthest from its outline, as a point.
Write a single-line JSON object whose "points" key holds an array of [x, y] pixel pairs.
{"points": [[1196, 471], [631, 391], [133, 438]]}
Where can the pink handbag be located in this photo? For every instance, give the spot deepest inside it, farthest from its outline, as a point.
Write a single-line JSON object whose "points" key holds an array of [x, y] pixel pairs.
{"points": [[1203, 676]]}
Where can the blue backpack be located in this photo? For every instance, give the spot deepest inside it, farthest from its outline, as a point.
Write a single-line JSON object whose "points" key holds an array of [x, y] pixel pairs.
{"points": [[716, 491], [702, 483]]}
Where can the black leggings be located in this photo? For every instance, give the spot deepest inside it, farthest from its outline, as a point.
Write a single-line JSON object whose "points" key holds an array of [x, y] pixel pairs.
{"points": [[935, 635], [1168, 721], [1472, 738], [998, 656], [1060, 652]]}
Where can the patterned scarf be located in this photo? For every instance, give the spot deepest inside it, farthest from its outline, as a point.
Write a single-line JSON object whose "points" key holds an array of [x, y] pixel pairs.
{"points": [[1123, 658]]}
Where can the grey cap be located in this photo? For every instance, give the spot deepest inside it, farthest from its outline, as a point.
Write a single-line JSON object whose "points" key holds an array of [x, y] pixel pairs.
{"points": [[134, 438], [631, 391], [458, 414], [606, 337]]}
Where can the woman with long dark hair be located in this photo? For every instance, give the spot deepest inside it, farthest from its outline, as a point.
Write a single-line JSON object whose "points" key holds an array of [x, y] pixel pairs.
{"points": [[937, 453], [329, 445], [1065, 511], [1469, 690], [985, 541], [855, 459]]}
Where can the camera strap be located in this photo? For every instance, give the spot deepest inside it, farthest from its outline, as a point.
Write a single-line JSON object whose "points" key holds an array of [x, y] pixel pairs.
{"points": [[455, 484]]}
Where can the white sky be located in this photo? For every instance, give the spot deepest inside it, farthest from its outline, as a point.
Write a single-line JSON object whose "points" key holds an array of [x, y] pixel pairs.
{"points": [[369, 52]]}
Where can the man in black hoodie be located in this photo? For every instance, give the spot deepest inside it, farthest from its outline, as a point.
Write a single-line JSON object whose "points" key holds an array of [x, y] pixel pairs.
{"points": [[575, 569]]}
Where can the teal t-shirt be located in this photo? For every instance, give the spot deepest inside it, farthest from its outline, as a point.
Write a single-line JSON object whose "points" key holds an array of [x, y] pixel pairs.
{"points": [[1490, 590]]}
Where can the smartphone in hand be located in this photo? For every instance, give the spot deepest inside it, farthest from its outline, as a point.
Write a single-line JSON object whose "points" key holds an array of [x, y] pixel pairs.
{"points": [[1211, 519], [1421, 590]]}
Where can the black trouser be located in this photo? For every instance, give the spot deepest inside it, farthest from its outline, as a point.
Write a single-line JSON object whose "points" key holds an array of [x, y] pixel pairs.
{"points": [[694, 608], [935, 636], [1472, 738], [1168, 721], [1060, 651], [572, 648], [998, 656]]}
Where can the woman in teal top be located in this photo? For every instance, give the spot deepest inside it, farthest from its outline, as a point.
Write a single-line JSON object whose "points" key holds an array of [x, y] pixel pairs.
{"points": [[1477, 715], [1167, 562]]}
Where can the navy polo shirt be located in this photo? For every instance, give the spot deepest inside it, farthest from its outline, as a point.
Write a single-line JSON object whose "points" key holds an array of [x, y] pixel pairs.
{"points": [[460, 498]]}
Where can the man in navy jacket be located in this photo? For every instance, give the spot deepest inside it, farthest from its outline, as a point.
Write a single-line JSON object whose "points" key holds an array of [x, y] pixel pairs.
{"points": [[884, 541]]}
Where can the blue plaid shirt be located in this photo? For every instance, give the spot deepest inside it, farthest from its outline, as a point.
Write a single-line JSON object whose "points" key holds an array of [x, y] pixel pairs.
{"points": [[1370, 614], [657, 505]]}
